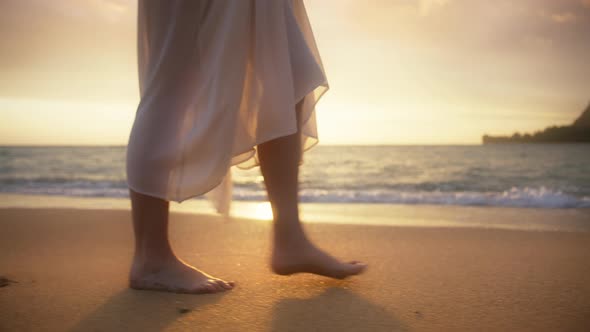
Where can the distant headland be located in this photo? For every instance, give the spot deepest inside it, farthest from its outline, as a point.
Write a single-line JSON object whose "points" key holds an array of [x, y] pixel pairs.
{"points": [[578, 132]]}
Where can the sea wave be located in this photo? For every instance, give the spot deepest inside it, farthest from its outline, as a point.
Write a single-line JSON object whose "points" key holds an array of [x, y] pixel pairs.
{"points": [[536, 176], [514, 197]]}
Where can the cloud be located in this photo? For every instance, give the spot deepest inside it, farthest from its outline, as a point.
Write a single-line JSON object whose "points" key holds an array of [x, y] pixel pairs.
{"points": [[52, 49], [111, 10], [428, 6], [562, 17], [503, 26]]}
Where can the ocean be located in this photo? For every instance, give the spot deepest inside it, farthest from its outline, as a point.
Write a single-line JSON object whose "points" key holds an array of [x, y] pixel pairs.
{"points": [[531, 176]]}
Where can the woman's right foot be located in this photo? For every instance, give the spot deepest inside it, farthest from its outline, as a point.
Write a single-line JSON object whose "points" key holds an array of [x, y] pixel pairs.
{"points": [[175, 276]]}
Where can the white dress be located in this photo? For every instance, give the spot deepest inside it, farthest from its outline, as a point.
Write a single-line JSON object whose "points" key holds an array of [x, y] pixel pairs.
{"points": [[217, 78]]}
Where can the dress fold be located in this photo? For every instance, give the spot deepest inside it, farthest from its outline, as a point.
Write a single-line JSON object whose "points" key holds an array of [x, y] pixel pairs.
{"points": [[218, 78]]}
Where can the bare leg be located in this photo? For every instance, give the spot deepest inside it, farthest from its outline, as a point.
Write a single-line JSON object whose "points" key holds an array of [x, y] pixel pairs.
{"points": [[292, 251], [155, 266]]}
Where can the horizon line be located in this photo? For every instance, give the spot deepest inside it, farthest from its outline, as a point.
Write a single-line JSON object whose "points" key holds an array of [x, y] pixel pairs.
{"points": [[320, 144]]}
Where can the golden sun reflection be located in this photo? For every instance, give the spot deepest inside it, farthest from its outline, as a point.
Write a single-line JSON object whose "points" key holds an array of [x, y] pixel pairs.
{"points": [[263, 211]]}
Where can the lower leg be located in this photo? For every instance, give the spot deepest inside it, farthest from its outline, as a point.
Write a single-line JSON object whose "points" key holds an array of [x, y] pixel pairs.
{"points": [[279, 164], [293, 252], [155, 266], [150, 226]]}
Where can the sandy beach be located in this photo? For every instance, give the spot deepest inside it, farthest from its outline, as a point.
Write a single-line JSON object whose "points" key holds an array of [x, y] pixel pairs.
{"points": [[69, 271]]}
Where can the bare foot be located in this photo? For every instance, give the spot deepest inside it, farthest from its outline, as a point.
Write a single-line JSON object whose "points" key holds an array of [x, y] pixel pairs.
{"points": [[175, 276], [307, 258]]}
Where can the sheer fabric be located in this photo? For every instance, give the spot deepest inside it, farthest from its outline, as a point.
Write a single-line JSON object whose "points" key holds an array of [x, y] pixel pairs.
{"points": [[216, 79]]}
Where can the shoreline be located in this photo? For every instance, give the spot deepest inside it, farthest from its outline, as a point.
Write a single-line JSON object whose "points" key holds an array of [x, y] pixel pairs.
{"points": [[430, 216]]}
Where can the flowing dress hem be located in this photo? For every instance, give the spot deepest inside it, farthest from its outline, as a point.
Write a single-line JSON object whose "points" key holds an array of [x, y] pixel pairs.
{"points": [[253, 153]]}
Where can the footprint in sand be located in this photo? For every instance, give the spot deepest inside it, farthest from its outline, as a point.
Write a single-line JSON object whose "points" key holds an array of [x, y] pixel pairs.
{"points": [[5, 281]]}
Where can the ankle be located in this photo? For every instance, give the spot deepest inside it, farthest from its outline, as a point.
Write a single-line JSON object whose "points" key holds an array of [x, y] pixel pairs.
{"points": [[290, 240], [153, 259]]}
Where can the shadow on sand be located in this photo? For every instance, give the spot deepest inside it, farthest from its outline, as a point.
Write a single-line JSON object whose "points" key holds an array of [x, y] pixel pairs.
{"points": [[336, 309], [134, 310]]}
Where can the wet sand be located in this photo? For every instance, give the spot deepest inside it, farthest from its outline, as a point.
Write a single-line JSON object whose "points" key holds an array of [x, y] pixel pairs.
{"points": [[67, 271]]}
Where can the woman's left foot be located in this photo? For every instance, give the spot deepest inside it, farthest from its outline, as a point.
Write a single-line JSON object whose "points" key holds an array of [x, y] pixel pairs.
{"points": [[307, 258]]}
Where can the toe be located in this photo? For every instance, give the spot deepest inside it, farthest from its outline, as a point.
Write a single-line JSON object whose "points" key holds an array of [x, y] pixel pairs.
{"points": [[215, 285], [201, 289], [359, 268], [206, 288], [210, 288], [356, 263], [224, 284]]}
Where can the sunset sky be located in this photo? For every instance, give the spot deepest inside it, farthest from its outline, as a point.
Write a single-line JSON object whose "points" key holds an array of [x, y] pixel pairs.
{"points": [[400, 71]]}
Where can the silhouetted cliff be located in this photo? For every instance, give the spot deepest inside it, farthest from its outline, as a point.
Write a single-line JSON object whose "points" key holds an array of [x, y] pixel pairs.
{"points": [[578, 132], [584, 119]]}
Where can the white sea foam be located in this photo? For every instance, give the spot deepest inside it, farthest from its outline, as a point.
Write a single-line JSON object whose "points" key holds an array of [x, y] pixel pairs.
{"points": [[536, 176], [515, 197]]}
